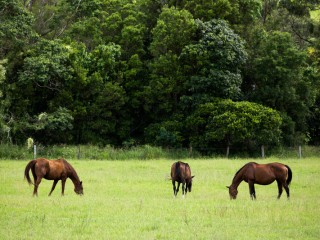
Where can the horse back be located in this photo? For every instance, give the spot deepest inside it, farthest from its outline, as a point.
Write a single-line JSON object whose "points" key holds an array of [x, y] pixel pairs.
{"points": [[51, 169], [267, 173], [180, 171], [280, 170]]}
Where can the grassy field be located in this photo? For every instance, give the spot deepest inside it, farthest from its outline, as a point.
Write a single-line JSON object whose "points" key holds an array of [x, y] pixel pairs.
{"points": [[134, 200]]}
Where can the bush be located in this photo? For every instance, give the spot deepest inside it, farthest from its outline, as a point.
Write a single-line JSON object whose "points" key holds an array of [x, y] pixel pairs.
{"points": [[144, 152]]}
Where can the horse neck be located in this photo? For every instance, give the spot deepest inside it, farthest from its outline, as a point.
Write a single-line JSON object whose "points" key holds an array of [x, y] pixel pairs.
{"points": [[237, 179], [73, 175], [74, 178]]}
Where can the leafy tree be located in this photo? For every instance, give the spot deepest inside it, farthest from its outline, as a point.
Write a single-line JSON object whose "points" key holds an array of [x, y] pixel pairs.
{"points": [[174, 29], [168, 133], [55, 76], [277, 78], [53, 127], [44, 73], [4, 129], [237, 12], [117, 21], [313, 73], [102, 122], [303, 29], [213, 63], [16, 27], [299, 7], [207, 10], [228, 122], [244, 12], [86, 32], [132, 71]]}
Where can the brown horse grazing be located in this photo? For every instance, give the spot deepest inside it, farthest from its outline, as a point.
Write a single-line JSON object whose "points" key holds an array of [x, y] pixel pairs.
{"points": [[181, 173], [54, 170], [262, 174]]}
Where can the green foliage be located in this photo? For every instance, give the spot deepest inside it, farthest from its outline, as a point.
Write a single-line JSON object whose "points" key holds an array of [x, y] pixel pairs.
{"points": [[299, 7], [119, 72], [16, 27], [166, 134], [245, 12], [15, 152], [2, 75], [174, 30], [93, 152], [233, 122], [47, 66], [314, 74], [60, 120], [55, 126], [213, 63], [278, 80], [207, 10]]}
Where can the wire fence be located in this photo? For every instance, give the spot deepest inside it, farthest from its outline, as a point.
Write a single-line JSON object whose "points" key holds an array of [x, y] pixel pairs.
{"points": [[146, 152], [149, 152]]}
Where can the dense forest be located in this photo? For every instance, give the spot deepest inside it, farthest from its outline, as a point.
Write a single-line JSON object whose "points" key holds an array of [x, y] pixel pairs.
{"points": [[200, 73]]}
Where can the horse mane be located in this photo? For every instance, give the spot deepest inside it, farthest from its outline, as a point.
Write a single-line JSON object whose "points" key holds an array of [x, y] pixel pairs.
{"points": [[70, 169], [242, 168]]}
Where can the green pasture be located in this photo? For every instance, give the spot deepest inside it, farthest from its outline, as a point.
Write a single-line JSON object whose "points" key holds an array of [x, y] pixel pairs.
{"points": [[134, 200]]}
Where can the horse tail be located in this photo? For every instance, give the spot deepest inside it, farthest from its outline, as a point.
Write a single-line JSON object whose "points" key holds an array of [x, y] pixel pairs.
{"points": [[29, 166], [289, 175]]}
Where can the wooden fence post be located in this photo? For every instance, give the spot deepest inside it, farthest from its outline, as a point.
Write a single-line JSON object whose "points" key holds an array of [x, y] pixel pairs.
{"points": [[190, 151], [228, 151], [300, 152], [78, 154], [34, 151], [262, 151]]}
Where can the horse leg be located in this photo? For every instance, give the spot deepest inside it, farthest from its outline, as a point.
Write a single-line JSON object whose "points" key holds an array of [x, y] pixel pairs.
{"points": [[279, 188], [174, 188], [63, 182], [287, 189], [183, 188], [252, 190], [36, 185], [178, 188], [53, 186]]}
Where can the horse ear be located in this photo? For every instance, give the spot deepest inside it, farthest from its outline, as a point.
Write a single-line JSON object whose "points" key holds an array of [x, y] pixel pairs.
{"points": [[81, 183], [192, 177], [227, 186]]}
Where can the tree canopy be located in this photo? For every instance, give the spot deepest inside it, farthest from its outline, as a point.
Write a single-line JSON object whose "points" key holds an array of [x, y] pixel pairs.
{"points": [[167, 73]]}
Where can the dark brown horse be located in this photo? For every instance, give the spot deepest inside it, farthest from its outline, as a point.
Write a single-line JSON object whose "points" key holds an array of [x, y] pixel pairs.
{"points": [[181, 173], [54, 170], [263, 174]]}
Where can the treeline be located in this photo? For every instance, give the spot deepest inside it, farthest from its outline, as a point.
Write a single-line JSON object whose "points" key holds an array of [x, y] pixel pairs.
{"points": [[189, 73]]}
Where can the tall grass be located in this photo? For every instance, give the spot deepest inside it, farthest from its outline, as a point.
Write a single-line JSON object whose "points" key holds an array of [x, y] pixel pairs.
{"points": [[144, 152], [134, 200], [9, 151]]}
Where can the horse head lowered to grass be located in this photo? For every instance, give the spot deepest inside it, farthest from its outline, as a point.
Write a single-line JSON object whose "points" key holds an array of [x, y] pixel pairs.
{"points": [[262, 174], [54, 170]]}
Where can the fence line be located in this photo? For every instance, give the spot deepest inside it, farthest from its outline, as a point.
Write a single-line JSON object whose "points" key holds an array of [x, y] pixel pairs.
{"points": [[148, 152]]}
